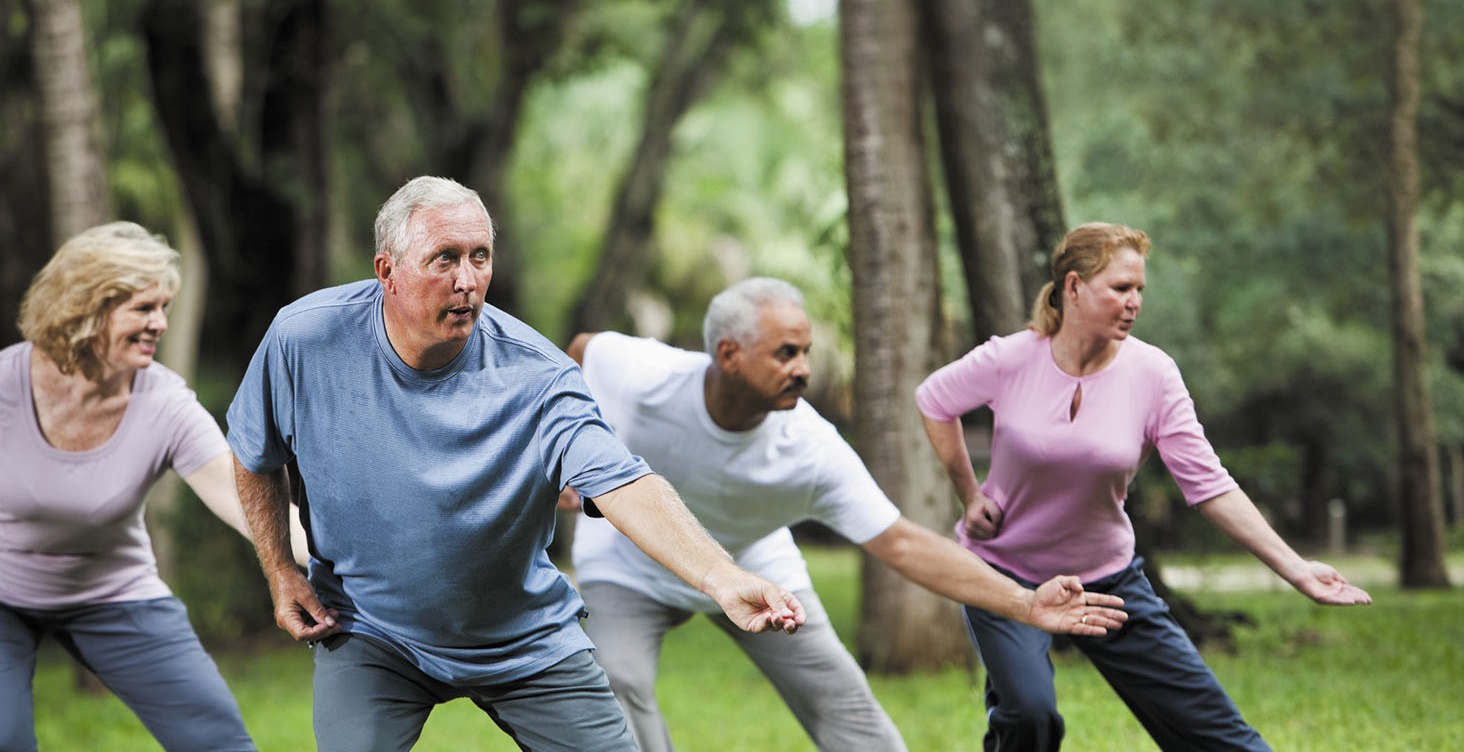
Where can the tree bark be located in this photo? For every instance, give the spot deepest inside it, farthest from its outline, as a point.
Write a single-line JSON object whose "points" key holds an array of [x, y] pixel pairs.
{"points": [[258, 198], [468, 133], [1422, 550], [693, 59], [70, 112], [896, 320], [25, 231], [996, 151]]}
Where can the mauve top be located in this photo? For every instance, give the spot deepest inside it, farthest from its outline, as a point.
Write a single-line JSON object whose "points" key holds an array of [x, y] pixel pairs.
{"points": [[71, 523], [1061, 482]]}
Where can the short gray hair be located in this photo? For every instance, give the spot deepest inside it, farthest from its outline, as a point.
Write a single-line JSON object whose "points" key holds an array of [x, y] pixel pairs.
{"points": [[732, 314], [423, 193]]}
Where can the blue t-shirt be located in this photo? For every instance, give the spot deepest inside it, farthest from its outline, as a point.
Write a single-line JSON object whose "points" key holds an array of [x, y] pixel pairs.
{"points": [[431, 494]]}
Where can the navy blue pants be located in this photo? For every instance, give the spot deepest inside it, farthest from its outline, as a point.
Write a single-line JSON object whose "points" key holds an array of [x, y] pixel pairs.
{"points": [[1150, 662], [144, 651]]}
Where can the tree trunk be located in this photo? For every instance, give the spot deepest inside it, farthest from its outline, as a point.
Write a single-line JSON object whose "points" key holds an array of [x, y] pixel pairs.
{"points": [[70, 113], [896, 320], [25, 232], [258, 198], [1422, 550], [693, 59], [468, 133], [996, 151]]}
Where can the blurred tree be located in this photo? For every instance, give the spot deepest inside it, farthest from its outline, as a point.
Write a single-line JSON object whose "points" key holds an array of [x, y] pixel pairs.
{"points": [[438, 88], [70, 119], [996, 152], [1422, 551], [25, 229], [897, 330], [694, 56], [257, 186], [1246, 137]]}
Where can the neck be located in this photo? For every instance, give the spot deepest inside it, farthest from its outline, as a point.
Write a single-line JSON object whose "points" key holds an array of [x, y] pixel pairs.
{"points": [[1080, 356], [47, 375], [419, 357], [727, 409]]}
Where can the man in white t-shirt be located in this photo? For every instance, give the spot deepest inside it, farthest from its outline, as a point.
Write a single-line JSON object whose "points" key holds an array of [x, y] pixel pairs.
{"points": [[729, 429]]}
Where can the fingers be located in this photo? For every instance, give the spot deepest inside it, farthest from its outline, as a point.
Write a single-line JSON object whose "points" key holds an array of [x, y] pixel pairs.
{"points": [[1095, 622], [1103, 599]]}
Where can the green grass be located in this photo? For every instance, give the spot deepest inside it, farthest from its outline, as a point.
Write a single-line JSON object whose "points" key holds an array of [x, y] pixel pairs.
{"points": [[1385, 677]]}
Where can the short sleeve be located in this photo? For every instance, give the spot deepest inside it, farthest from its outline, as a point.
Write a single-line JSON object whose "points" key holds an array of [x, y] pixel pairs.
{"points": [[197, 438], [260, 417], [1181, 441], [964, 385]]}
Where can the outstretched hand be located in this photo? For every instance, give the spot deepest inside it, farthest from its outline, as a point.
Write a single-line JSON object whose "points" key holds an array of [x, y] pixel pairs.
{"points": [[1327, 586], [298, 610], [1061, 606], [756, 605]]}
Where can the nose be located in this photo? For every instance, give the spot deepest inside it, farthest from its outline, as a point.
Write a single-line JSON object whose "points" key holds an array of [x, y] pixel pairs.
{"points": [[466, 279], [801, 367], [158, 320]]}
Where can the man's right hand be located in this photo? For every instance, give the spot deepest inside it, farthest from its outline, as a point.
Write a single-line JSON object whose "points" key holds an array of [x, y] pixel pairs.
{"points": [[753, 603], [298, 610]]}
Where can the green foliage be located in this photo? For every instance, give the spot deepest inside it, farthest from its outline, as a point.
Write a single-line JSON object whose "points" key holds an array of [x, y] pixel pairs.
{"points": [[1248, 139]]}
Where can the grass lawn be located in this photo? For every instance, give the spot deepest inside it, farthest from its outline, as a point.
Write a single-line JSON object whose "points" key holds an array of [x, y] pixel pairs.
{"points": [[1385, 677]]}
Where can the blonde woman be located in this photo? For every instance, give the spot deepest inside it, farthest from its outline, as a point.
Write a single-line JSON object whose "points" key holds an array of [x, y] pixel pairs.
{"points": [[88, 421]]}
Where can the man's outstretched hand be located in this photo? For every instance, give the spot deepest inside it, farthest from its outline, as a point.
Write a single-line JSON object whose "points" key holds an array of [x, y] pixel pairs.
{"points": [[753, 603], [1061, 606]]}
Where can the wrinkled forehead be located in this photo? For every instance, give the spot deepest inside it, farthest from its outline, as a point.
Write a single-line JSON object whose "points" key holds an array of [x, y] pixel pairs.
{"points": [[464, 224], [780, 322]]}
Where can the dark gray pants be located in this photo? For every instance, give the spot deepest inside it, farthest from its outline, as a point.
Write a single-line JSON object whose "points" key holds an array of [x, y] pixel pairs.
{"points": [[811, 670], [144, 651], [1151, 663], [369, 698]]}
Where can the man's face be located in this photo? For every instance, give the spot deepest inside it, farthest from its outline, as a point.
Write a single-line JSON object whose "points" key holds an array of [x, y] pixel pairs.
{"points": [[774, 366], [435, 292]]}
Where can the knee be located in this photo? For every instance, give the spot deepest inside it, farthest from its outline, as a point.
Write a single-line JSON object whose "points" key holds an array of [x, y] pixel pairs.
{"points": [[1035, 715], [635, 687]]}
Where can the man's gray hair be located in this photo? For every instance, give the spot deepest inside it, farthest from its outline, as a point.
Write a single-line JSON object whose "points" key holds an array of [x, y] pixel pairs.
{"points": [[419, 194], [732, 314]]}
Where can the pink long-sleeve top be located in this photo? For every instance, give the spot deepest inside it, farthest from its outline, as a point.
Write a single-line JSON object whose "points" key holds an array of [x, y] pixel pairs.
{"points": [[1060, 481]]}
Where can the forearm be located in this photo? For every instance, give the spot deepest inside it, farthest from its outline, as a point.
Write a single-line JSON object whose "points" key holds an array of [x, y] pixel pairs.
{"points": [[949, 441], [266, 503], [649, 513], [942, 566], [1234, 514]]}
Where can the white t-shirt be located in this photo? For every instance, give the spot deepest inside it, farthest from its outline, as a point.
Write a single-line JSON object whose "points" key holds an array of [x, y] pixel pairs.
{"points": [[745, 487]]}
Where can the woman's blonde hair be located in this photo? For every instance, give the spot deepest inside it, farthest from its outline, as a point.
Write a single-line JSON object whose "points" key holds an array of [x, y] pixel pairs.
{"points": [[64, 313], [1086, 249]]}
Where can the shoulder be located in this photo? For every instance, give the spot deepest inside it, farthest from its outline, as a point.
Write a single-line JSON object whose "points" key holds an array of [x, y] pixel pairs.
{"points": [[511, 338], [158, 378], [316, 313], [615, 356], [1148, 359]]}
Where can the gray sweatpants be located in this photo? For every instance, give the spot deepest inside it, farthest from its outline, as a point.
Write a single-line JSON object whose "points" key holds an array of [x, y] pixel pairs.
{"points": [[812, 671], [369, 698]]}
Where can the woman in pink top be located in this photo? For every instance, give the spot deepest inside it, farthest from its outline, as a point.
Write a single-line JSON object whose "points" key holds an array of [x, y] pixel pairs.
{"points": [[87, 423], [1078, 406]]}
